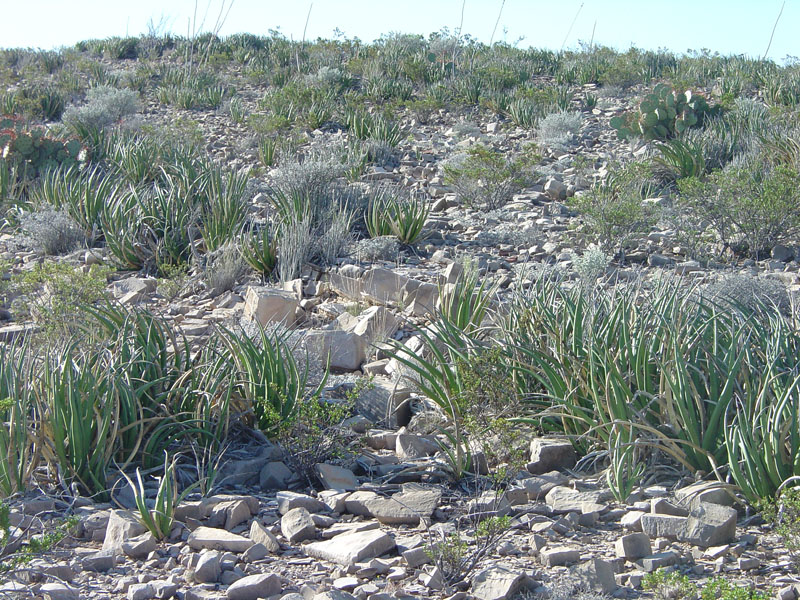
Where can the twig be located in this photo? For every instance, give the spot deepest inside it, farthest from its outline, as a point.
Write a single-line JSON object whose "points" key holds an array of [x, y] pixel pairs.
{"points": [[774, 27]]}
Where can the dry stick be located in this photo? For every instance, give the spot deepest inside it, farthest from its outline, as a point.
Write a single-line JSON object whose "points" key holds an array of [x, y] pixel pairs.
{"points": [[303, 42], [571, 26], [220, 22], [496, 23], [774, 27], [591, 41], [458, 35]]}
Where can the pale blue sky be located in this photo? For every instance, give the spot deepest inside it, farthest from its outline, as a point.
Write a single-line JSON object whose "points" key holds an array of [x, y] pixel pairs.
{"points": [[729, 27]]}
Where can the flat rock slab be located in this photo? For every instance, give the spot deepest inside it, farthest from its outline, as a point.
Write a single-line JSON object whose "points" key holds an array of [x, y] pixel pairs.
{"points": [[349, 548], [562, 499], [217, 539], [405, 507]]}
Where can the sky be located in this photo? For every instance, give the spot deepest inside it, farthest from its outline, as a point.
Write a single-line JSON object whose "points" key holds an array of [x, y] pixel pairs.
{"points": [[727, 27]]}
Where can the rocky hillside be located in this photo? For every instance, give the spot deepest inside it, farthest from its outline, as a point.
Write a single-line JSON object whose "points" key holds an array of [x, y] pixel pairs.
{"points": [[417, 318]]}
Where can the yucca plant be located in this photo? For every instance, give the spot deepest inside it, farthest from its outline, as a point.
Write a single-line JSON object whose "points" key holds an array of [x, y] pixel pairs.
{"points": [[267, 151], [78, 402], [681, 159], [160, 518], [269, 378], [376, 217], [19, 447], [260, 250], [224, 209], [407, 218], [467, 301]]}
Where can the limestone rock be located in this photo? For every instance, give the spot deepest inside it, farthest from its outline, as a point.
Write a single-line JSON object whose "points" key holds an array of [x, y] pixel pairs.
{"points": [[122, 526], [297, 525], [549, 454], [261, 535], [341, 350], [217, 539], [255, 587], [710, 525], [207, 569], [595, 575], [289, 500], [336, 478], [497, 583], [349, 548], [633, 546], [270, 305]]}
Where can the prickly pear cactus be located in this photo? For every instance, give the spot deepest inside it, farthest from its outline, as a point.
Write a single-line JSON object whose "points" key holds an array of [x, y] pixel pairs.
{"points": [[34, 149], [663, 114]]}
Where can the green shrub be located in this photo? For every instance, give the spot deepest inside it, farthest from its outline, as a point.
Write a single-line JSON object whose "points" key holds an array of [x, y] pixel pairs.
{"points": [[783, 514], [53, 293], [750, 208], [669, 585], [614, 211], [488, 179], [720, 588]]}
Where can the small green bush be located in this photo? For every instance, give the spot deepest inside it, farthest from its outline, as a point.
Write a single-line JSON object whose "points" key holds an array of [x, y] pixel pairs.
{"points": [[614, 211], [669, 585], [488, 179], [783, 514]]}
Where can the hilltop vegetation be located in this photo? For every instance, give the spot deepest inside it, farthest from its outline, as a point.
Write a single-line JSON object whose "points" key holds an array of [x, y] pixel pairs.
{"points": [[217, 249]]}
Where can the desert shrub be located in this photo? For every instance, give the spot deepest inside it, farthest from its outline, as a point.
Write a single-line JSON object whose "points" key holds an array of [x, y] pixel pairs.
{"points": [[669, 585], [614, 211], [488, 179], [225, 268], [383, 248], [720, 588], [52, 231], [53, 294], [591, 264], [750, 292], [104, 106], [559, 129], [783, 514], [750, 208]]}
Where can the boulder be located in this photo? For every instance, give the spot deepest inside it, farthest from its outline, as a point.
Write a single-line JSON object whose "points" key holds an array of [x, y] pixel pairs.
{"points": [[550, 454], [497, 583], [297, 525], [270, 305]]}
